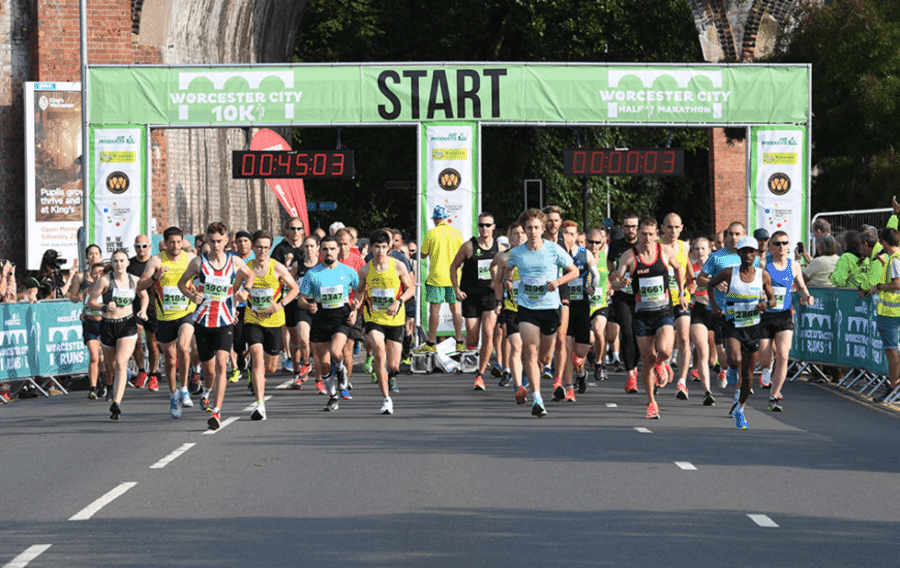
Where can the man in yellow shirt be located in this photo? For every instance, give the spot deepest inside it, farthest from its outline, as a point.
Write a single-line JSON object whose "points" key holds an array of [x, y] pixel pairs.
{"points": [[441, 245]]}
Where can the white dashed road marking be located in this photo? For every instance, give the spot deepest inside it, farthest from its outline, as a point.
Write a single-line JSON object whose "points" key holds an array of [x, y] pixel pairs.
{"points": [[89, 511], [611, 405], [643, 430], [252, 406], [168, 459], [224, 423], [763, 521], [686, 466], [30, 554]]}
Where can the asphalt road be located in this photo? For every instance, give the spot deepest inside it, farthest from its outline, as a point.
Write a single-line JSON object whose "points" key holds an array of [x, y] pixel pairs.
{"points": [[453, 478]]}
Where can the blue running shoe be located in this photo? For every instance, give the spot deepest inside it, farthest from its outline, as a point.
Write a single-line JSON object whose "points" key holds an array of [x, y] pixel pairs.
{"points": [[525, 381], [288, 365], [345, 394], [175, 405], [739, 419], [357, 347], [547, 375], [731, 377], [392, 385]]}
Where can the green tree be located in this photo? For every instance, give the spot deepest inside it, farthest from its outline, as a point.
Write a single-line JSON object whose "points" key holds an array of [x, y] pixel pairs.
{"points": [[853, 48]]}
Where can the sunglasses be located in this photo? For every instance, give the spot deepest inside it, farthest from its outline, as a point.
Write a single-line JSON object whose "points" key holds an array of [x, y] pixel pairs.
{"points": [[296, 228], [629, 226], [485, 225], [781, 243], [594, 242], [141, 246]]}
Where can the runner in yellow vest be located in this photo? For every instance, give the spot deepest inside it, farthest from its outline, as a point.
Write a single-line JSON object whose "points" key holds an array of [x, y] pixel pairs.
{"points": [[679, 250], [507, 289]]}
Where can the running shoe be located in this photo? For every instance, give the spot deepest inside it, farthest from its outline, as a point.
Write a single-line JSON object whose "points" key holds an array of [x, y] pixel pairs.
{"points": [[779, 396], [367, 366], [109, 393], [288, 365], [734, 406], [297, 384], [425, 348], [235, 375], [114, 411], [631, 382], [320, 388], [653, 411], [618, 367], [765, 379], [537, 409], [128, 378], [461, 346], [250, 387], [695, 375], [547, 375], [407, 360], [497, 371], [140, 380], [204, 404], [708, 399], [374, 376], [681, 392], [663, 374], [521, 395], [186, 401], [195, 385], [92, 395], [525, 382], [331, 405], [599, 373], [175, 405], [392, 385], [479, 383], [775, 405], [387, 407], [576, 360], [345, 394], [570, 395], [591, 358], [505, 379], [723, 382], [357, 347], [581, 383], [731, 377], [153, 383], [214, 422], [305, 368], [101, 390], [739, 419], [259, 413], [559, 392]]}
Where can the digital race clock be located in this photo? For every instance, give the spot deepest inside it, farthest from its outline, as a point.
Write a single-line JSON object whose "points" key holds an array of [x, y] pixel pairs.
{"points": [[637, 162], [280, 164]]}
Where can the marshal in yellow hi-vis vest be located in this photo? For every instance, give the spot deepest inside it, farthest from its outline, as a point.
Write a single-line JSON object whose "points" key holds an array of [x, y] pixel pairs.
{"points": [[382, 288], [171, 304], [889, 301]]}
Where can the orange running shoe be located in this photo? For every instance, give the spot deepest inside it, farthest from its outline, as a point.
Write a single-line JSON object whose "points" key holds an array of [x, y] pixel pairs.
{"points": [[681, 392], [653, 411], [577, 361], [559, 393], [479, 383], [153, 384], [521, 395], [695, 375], [663, 374], [631, 382], [570, 395], [320, 388]]}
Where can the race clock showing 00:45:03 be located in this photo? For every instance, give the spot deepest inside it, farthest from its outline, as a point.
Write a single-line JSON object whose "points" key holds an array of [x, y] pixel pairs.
{"points": [[635, 162], [280, 164]]}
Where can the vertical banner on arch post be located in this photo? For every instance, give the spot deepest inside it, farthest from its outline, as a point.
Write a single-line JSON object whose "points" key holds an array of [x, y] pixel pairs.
{"points": [[117, 197], [779, 181], [448, 160]]}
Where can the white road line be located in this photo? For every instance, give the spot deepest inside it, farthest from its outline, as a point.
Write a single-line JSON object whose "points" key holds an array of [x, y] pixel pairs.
{"points": [[30, 554], [686, 466], [89, 511], [285, 384], [611, 405], [643, 430], [224, 423], [166, 460], [763, 521], [252, 406]]}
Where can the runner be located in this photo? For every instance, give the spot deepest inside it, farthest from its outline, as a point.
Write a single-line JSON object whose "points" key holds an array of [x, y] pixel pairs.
{"points": [[578, 332], [219, 274], [440, 245], [309, 259], [384, 285], [777, 323], [243, 248], [146, 329], [287, 252], [80, 291], [326, 288], [349, 256], [743, 305], [552, 233], [701, 323], [506, 290], [175, 328], [623, 300], [596, 240], [479, 303], [679, 250], [265, 316], [538, 261], [118, 330], [653, 323]]}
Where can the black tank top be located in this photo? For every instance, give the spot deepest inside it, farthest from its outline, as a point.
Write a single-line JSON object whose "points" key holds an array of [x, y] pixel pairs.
{"points": [[650, 283], [108, 295], [476, 271]]}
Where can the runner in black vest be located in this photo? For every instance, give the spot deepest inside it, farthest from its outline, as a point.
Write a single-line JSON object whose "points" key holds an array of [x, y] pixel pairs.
{"points": [[623, 300]]}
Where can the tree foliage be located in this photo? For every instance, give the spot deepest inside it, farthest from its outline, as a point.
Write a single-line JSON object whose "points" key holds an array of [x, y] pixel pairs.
{"points": [[507, 30], [853, 48]]}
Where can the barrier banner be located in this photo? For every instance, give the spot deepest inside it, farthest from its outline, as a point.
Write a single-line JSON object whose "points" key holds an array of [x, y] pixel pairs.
{"points": [[779, 184], [117, 197], [42, 339]]}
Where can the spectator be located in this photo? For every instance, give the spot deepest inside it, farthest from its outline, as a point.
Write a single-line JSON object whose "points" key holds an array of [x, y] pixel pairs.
{"points": [[7, 281], [818, 273], [49, 281], [888, 309], [851, 266]]}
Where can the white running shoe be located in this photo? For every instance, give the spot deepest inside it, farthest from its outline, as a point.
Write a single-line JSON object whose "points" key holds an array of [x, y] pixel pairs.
{"points": [[186, 401], [388, 407], [259, 413]]}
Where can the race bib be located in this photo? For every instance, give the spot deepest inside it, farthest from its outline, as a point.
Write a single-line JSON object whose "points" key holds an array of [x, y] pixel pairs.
{"points": [[598, 298], [217, 288], [122, 297], [484, 269], [780, 294], [261, 298], [333, 297], [576, 288], [652, 289], [382, 298], [173, 299], [745, 314], [533, 288]]}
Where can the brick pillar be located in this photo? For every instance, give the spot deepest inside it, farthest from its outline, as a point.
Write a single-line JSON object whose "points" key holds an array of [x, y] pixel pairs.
{"points": [[727, 179]]}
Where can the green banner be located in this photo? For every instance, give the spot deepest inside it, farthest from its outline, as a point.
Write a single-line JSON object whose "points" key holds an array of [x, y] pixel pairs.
{"points": [[42, 339], [434, 92]]}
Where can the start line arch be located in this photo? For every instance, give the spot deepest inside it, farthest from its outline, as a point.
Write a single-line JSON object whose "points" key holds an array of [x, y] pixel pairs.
{"points": [[448, 103]]}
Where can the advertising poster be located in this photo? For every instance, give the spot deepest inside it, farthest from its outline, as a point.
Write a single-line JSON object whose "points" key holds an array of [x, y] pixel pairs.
{"points": [[450, 168], [118, 195], [779, 181], [53, 176]]}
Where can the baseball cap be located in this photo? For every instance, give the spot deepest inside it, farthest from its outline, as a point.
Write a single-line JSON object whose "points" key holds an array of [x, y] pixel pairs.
{"points": [[747, 242], [760, 234], [440, 212]]}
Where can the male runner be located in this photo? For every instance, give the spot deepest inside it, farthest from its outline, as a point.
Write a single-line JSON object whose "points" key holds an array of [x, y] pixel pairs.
{"points": [[553, 234], [219, 274], [326, 288], [287, 252], [623, 299], [680, 251], [309, 259], [538, 261], [701, 323], [478, 300], [506, 291], [349, 256], [440, 245], [175, 327], [596, 240], [653, 324], [243, 249], [384, 285], [146, 328]]}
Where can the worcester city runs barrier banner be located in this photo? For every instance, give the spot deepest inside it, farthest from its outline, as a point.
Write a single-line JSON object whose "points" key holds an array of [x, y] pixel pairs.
{"points": [[42, 339], [426, 92]]}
